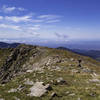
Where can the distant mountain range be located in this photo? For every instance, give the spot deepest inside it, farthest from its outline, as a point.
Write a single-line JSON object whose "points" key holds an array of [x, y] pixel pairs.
{"points": [[8, 45], [91, 53], [95, 54]]}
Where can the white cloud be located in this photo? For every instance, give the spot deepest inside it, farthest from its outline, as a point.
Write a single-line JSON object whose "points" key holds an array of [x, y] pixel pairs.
{"points": [[37, 20], [34, 28], [53, 21], [19, 19], [6, 9], [1, 17], [10, 26], [49, 16], [21, 9], [61, 36], [26, 18]]}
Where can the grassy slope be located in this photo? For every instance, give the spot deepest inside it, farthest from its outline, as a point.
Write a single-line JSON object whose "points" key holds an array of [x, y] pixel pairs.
{"points": [[77, 82]]}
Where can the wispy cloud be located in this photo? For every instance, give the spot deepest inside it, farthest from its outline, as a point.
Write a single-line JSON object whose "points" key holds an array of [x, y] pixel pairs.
{"points": [[17, 24], [61, 36], [37, 20], [29, 33], [21, 9], [7, 9], [19, 18], [32, 19], [49, 16], [53, 21], [10, 26], [1, 17], [34, 28]]}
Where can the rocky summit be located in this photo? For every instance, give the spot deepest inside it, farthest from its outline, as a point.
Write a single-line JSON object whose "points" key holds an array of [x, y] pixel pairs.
{"points": [[39, 73]]}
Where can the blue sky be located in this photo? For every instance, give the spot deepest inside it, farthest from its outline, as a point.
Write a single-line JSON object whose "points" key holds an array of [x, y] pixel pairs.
{"points": [[49, 20]]}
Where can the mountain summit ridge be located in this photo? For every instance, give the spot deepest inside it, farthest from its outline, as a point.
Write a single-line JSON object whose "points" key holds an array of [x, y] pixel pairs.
{"points": [[33, 72]]}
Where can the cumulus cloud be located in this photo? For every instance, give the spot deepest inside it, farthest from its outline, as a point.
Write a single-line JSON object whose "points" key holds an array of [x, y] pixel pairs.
{"points": [[7, 9], [10, 26]]}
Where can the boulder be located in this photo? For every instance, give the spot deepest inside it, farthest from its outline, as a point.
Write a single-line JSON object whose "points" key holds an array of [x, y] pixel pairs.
{"points": [[60, 81], [92, 94], [2, 99], [72, 94], [29, 71], [79, 99], [95, 80], [53, 94], [12, 90], [39, 89]]}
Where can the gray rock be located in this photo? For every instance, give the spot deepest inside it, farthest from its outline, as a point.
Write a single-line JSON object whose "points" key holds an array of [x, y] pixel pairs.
{"points": [[92, 94], [60, 81], [16, 98], [28, 82], [79, 99], [86, 70], [12, 90], [29, 71], [39, 89], [75, 71], [67, 92], [72, 94], [2, 99], [54, 94], [17, 89], [72, 59], [95, 80], [20, 87]]}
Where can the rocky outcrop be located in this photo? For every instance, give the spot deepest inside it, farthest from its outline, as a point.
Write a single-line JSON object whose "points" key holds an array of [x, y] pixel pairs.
{"points": [[27, 59], [14, 62]]}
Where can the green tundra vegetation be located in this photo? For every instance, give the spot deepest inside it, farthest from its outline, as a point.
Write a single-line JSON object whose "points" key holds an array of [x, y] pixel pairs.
{"points": [[24, 66]]}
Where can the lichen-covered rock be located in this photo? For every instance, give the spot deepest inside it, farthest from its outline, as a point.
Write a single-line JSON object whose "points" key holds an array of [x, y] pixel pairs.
{"points": [[12, 90], [28, 82], [2, 99], [39, 89]]}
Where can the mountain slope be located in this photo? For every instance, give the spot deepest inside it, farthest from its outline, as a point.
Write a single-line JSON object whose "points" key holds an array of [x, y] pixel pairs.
{"points": [[95, 54], [29, 70]]}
